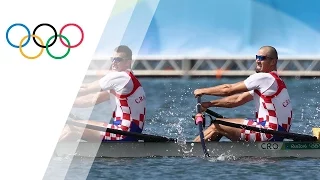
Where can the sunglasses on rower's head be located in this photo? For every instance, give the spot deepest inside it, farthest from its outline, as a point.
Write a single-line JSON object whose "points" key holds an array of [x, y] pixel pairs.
{"points": [[262, 58]]}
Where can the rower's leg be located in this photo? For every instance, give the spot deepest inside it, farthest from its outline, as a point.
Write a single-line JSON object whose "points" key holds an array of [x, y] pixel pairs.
{"points": [[216, 131], [210, 134]]}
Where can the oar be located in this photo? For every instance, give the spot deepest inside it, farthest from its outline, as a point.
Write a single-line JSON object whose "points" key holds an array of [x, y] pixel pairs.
{"points": [[141, 136], [293, 136], [199, 122], [214, 114]]}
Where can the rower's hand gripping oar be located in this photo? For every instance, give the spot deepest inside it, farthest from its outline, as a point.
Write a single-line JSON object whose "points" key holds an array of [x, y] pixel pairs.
{"points": [[210, 114], [199, 122]]}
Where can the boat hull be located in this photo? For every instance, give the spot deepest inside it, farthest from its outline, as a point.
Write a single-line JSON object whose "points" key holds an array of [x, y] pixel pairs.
{"points": [[189, 149]]}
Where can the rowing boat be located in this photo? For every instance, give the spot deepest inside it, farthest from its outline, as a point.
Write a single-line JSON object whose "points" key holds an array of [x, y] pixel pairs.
{"points": [[295, 145], [190, 149]]}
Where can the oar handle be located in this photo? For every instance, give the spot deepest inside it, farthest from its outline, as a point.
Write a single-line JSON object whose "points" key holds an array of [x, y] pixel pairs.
{"points": [[198, 117], [199, 104]]}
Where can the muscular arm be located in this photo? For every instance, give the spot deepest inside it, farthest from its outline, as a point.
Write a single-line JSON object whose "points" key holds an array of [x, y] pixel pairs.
{"points": [[223, 90], [91, 99], [230, 101], [89, 88]]}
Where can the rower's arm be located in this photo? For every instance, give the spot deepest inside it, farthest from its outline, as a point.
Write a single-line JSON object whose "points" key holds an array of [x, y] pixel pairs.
{"points": [[91, 99], [222, 90], [230, 101], [89, 88]]}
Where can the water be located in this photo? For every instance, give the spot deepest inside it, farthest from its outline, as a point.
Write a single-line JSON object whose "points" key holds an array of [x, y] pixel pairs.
{"points": [[170, 107]]}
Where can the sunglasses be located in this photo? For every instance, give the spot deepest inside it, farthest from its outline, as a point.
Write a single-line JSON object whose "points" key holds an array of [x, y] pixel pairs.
{"points": [[116, 59], [262, 58]]}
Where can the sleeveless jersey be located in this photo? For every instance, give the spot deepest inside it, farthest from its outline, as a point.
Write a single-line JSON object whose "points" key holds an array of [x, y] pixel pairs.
{"points": [[275, 109], [130, 110]]}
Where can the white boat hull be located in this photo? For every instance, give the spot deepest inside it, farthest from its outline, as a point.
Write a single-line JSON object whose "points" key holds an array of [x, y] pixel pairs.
{"points": [[189, 149]]}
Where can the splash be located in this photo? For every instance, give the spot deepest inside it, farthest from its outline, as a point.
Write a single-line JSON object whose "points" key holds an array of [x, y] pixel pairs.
{"points": [[170, 119], [184, 148], [223, 157]]}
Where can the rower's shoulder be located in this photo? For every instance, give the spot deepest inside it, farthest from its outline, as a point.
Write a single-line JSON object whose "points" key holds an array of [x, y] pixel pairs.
{"points": [[115, 74], [260, 76]]}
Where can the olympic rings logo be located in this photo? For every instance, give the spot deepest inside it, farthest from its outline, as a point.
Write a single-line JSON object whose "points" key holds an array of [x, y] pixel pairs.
{"points": [[42, 45]]}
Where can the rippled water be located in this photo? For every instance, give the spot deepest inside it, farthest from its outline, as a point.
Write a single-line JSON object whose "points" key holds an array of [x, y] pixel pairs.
{"points": [[170, 107]]}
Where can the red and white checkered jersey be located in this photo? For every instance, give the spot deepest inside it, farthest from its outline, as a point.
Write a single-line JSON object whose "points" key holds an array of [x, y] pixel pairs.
{"points": [[129, 98], [272, 100]]}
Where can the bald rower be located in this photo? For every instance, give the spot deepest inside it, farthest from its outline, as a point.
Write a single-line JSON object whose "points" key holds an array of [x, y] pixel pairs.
{"points": [[268, 91]]}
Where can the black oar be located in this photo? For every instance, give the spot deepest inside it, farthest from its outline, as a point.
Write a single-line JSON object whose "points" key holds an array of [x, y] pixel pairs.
{"points": [[141, 136], [199, 122], [214, 114], [293, 136]]}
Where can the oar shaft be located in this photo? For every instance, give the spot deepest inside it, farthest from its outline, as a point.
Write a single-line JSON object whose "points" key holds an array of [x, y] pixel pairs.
{"points": [[212, 113], [199, 122], [141, 136], [293, 136]]}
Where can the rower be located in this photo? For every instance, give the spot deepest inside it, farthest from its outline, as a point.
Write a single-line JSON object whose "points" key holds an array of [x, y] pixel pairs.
{"points": [[126, 95], [266, 89]]}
